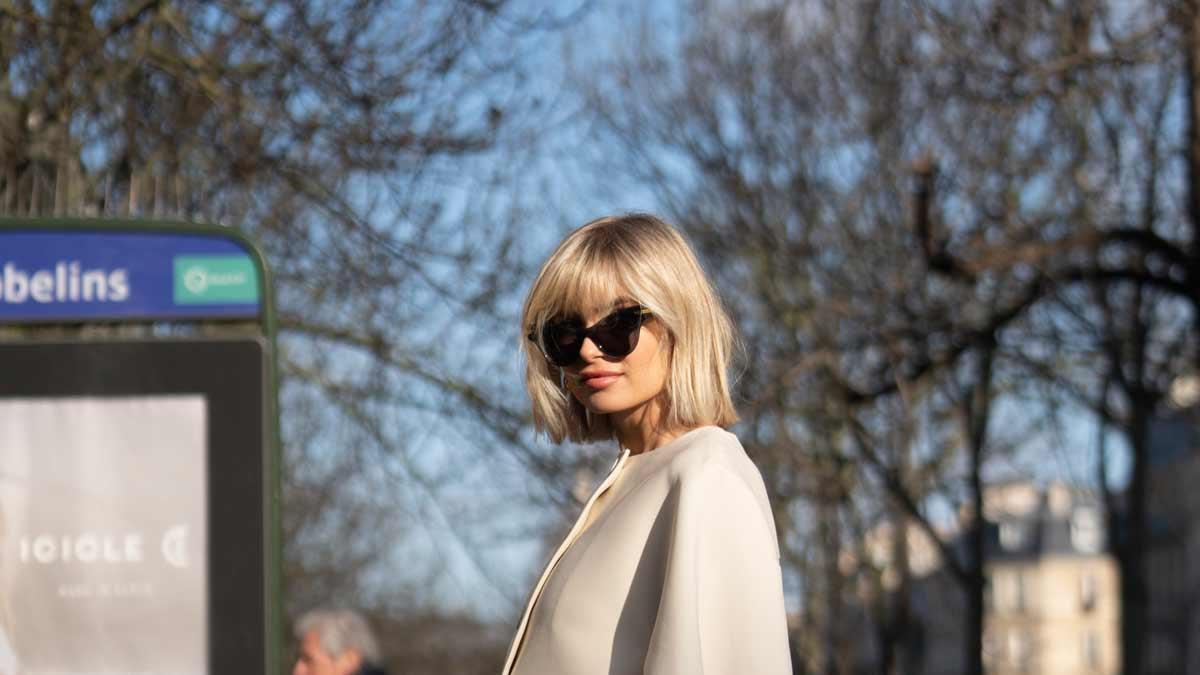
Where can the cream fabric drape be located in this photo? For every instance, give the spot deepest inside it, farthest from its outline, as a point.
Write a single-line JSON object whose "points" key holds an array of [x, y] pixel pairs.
{"points": [[678, 573]]}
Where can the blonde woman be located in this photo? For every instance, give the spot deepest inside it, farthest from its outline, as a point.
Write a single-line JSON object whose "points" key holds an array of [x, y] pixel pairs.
{"points": [[672, 567]]}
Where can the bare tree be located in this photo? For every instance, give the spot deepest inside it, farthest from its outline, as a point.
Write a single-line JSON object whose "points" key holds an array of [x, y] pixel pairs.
{"points": [[360, 142], [784, 136]]}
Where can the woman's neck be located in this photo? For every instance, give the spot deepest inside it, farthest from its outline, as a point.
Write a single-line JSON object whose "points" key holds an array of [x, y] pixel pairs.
{"points": [[641, 429]]}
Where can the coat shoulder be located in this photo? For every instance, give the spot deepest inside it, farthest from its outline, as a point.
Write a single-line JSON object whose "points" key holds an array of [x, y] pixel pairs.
{"points": [[715, 475], [711, 448]]}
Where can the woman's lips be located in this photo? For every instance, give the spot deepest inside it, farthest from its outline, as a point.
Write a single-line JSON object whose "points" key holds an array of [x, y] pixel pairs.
{"points": [[601, 381]]}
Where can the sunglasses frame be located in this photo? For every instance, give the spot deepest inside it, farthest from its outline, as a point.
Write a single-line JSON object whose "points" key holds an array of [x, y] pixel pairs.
{"points": [[589, 332]]}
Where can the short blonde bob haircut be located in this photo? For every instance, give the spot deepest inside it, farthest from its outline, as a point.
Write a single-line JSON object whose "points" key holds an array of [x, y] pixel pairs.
{"points": [[633, 258]]}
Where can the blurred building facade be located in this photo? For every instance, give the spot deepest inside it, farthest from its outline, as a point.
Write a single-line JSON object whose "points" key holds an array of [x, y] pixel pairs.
{"points": [[1053, 594], [1052, 601]]}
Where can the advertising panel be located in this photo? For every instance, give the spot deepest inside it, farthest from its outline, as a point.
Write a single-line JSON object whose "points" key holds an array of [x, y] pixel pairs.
{"points": [[103, 529], [133, 494]]}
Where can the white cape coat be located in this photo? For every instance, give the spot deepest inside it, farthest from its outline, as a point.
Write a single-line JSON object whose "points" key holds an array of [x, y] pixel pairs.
{"points": [[678, 574]]}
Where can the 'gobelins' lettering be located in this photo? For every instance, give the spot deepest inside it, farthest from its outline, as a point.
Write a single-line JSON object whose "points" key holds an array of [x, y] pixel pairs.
{"points": [[67, 282]]}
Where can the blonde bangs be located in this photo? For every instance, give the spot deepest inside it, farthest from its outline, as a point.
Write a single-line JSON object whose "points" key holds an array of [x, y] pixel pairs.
{"points": [[591, 281]]}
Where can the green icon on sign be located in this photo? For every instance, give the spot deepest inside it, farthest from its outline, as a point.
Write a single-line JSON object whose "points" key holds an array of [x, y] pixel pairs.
{"points": [[215, 279]]}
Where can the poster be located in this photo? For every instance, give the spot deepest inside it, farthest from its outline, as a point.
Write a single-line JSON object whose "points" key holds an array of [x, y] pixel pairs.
{"points": [[103, 531]]}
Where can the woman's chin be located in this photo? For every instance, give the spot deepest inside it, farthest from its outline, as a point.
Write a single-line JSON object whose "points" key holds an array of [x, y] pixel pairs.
{"points": [[600, 409], [605, 403]]}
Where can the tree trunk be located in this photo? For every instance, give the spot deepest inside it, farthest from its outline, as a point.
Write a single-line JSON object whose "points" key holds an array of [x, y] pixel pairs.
{"points": [[831, 536], [1134, 605], [978, 407], [1191, 32], [891, 608], [973, 643], [1132, 546], [1191, 49], [898, 656]]}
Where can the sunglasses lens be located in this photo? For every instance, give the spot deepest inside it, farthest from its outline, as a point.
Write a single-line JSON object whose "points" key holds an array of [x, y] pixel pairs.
{"points": [[562, 341], [617, 334]]}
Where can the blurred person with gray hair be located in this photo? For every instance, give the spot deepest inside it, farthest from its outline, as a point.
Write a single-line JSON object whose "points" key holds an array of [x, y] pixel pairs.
{"points": [[336, 642]]}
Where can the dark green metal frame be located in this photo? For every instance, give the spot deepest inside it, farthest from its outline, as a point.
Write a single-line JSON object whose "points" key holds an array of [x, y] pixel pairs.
{"points": [[267, 320]]}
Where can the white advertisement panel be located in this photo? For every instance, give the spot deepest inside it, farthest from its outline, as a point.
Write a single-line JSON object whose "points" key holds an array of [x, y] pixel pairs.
{"points": [[103, 534]]}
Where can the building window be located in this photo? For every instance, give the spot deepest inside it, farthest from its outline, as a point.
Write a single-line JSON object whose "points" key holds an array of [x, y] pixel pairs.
{"points": [[1009, 591], [1091, 650], [1020, 650], [1013, 535], [993, 648], [1022, 591], [1087, 535], [1087, 591], [1001, 591]]}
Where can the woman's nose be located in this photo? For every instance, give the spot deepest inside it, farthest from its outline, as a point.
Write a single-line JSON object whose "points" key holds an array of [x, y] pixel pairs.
{"points": [[589, 351]]}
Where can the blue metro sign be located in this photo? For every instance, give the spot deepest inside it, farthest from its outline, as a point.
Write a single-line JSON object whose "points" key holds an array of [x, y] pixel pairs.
{"points": [[112, 274]]}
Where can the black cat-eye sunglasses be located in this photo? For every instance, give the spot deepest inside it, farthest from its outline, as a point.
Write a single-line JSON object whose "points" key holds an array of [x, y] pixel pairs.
{"points": [[615, 335]]}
